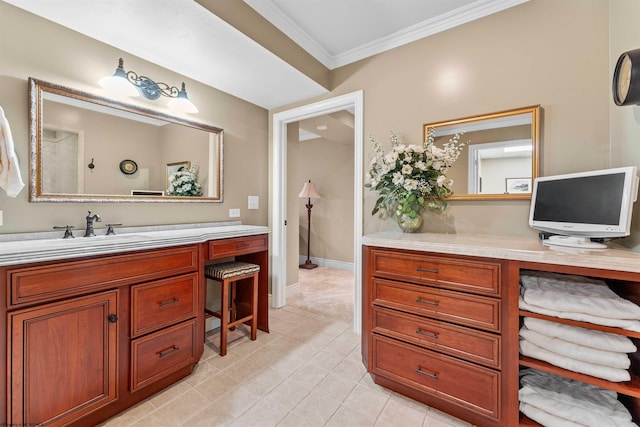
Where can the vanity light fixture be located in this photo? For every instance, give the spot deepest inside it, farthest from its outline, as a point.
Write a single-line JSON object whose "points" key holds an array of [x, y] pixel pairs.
{"points": [[124, 83]]}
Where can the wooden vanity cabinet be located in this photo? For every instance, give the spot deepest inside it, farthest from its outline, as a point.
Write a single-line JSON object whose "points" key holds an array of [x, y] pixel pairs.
{"points": [[88, 338], [435, 328]]}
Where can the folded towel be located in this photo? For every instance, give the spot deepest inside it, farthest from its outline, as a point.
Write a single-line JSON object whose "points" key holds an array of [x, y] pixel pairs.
{"points": [[586, 337], [599, 371], [611, 359], [630, 325], [545, 418], [10, 179], [572, 400], [575, 294]]}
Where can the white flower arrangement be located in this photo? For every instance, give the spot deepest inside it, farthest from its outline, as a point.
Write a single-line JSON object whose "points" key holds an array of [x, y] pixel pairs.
{"points": [[184, 183], [411, 178]]}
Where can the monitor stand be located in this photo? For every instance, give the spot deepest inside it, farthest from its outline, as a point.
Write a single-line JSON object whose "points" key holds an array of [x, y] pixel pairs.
{"points": [[573, 242]]}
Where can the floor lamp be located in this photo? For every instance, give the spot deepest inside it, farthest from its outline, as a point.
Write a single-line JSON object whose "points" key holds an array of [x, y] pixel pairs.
{"points": [[308, 192]]}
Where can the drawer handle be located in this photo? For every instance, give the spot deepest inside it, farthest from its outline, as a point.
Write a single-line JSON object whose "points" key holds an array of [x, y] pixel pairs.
{"points": [[428, 374], [243, 245], [171, 301], [428, 334], [426, 270], [424, 301], [168, 351]]}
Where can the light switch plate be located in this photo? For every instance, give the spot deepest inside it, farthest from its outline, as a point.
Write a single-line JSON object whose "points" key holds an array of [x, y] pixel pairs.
{"points": [[254, 202], [1, 219], [234, 213]]}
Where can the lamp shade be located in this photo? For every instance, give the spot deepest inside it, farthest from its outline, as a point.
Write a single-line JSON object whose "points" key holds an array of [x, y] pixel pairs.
{"points": [[309, 191]]}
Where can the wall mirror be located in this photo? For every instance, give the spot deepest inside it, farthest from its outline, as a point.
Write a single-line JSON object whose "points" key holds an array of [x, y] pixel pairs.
{"points": [[501, 159], [85, 148]]}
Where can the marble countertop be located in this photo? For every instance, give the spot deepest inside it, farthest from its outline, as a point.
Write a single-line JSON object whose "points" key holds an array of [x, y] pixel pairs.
{"points": [[508, 247], [48, 246]]}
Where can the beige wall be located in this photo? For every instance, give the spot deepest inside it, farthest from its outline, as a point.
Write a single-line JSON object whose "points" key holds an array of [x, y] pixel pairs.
{"points": [[625, 121], [33, 47], [293, 206], [329, 165], [539, 52]]}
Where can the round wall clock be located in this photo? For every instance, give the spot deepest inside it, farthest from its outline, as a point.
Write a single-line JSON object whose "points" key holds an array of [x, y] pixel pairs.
{"points": [[626, 79], [128, 167]]}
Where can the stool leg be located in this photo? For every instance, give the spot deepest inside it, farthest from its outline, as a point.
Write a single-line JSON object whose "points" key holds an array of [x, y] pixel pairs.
{"points": [[254, 307], [224, 316], [233, 316]]}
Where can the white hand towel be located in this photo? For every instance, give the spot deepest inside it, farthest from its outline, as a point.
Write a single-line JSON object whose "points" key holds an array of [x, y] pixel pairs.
{"points": [[631, 325], [576, 351], [544, 418], [599, 371], [576, 401], [576, 334], [10, 179], [575, 294]]}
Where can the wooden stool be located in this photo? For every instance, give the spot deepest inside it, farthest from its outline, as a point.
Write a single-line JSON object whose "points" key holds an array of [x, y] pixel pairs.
{"points": [[229, 274]]}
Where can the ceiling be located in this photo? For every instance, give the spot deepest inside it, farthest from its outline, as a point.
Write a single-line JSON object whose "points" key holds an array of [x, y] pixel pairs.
{"points": [[184, 37]]}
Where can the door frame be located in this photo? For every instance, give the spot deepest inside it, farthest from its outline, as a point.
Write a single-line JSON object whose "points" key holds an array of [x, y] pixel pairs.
{"points": [[354, 102]]}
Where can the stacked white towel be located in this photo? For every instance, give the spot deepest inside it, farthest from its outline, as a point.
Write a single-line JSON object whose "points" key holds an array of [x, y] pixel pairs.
{"points": [[561, 402], [594, 353], [577, 298]]}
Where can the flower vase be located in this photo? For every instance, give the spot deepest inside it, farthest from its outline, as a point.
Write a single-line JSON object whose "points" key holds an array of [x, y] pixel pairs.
{"points": [[408, 224]]}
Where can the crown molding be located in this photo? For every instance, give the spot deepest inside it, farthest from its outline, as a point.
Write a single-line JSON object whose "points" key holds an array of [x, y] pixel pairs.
{"points": [[462, 15]]}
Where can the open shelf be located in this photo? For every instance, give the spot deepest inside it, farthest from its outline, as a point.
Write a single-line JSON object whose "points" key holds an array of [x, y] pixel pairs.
{"points": [[527, 422], [629, 388], [586, 325]]}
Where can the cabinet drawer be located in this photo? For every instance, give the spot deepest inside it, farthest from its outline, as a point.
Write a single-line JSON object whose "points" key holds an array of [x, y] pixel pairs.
{"points": [[463, 383], [161, 353], [457, 307], [70, 278], [237, 246], [162, 303], [469, 276], [469, 344]]}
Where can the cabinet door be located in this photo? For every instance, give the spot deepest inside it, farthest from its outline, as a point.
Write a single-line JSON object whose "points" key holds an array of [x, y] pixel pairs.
{"points": [[62, 359]]}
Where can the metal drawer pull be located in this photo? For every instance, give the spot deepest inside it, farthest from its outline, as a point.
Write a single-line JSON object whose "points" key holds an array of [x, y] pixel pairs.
{"points": [[168, 351], [428, 374], [243, 245], [428, 334], [424, 301], [171, 301], [425, 270]]}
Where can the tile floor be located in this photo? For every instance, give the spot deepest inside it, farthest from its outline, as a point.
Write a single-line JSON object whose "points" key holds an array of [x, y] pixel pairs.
{"points": [[306, 372]]}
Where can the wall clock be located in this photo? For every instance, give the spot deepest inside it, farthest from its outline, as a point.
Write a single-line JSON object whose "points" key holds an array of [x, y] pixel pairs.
{"points": [[626, 79], [128, 167]]}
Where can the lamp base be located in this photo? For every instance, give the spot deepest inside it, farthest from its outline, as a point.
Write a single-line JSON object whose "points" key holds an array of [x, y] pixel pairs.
{"points": [[308, 265]]}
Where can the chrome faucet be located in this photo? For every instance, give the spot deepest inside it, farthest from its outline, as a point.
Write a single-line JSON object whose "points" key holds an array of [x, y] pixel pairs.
{"points": [[90, 219]]}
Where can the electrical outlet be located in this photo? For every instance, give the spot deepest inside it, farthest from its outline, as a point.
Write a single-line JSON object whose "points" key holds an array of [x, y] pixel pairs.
{"points": [[254, 202], [234, 213]]}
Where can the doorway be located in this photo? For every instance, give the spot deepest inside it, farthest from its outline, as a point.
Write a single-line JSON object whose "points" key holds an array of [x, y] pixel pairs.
{"points": [[353, 102]]}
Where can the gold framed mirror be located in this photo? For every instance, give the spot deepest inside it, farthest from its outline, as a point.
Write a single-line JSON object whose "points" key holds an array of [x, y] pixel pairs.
{"points": [[501, 159], [85, 148]]}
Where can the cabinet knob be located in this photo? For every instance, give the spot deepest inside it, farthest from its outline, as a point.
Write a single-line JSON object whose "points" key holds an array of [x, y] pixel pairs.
{"points": [[112, 318]]}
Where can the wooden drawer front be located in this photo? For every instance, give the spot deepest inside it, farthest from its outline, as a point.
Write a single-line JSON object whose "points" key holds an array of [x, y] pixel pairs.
{"points": [[161, 353], [461, 382], [69, 278], [162, 303], [457, 307], [237, 246], [470, 276], [469, 344]]}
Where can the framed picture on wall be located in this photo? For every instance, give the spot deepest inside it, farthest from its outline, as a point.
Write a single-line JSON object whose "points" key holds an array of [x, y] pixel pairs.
{"points": [[176, 167], [517, 185]]}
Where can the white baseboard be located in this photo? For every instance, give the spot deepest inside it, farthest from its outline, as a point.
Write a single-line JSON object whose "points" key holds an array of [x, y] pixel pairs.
{"points": [[340, 265]]}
